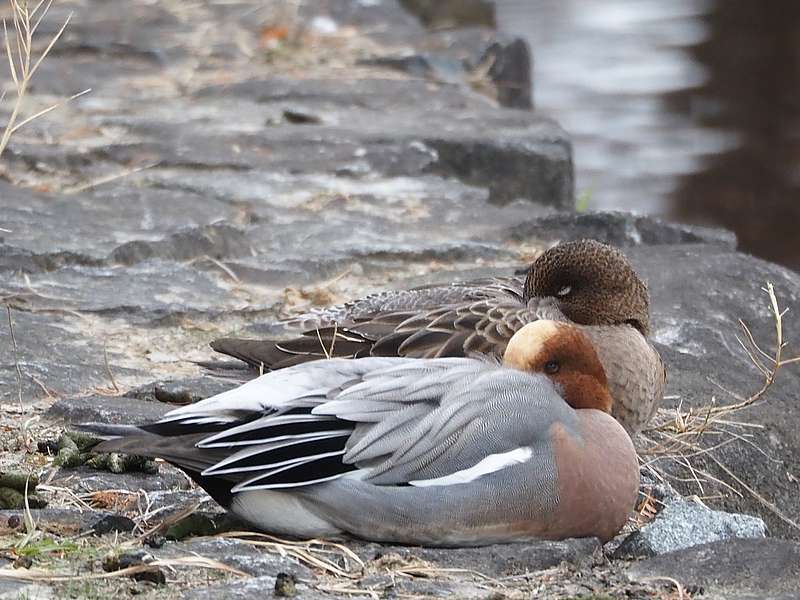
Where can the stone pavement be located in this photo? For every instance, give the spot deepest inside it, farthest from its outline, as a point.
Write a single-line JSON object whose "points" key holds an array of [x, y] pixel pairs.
{"points": [[235, 163]]}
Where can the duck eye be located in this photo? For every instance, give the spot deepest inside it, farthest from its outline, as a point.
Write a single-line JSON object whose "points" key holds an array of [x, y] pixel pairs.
{"points": [[564, 291], [551, 367]]}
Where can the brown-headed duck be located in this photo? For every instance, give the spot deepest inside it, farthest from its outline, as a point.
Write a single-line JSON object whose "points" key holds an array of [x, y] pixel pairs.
{"points": [[585, 282]]}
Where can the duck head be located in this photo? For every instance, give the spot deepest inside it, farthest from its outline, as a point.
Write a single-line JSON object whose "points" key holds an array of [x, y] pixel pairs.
{"points": [[567, 357], [592, 284]]}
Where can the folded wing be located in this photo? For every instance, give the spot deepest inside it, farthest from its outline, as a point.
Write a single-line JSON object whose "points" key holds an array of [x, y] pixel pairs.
{"points": [[427, 322], [388, 421]]}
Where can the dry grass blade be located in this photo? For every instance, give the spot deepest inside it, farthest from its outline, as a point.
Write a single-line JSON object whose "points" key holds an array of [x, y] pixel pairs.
{"points": [[223, 267], [22, 64], [52, 43], [108, 178], [350, 591], [16, 358], [108, 368], [31, 532], [171, 520], [433, 571], [42, 15], [10, 56], [328, 351], [675, 582], [310, 552], [770, 505], [681, 436], [197, 562], [50, 108]]}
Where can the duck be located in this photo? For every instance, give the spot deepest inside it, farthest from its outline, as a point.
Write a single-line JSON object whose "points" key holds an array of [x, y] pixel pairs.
{"points": [[449, 452], [584, 282]]}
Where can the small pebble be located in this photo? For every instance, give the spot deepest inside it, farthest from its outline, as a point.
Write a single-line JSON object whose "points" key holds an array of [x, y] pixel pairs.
{"points": [[196, 524], [117, 562], [49, 447], [152, 575], [285, 585], [113, 523], [133, 558], [155, 541], [23, 562], [172, 396], [110, 563], [140, 557]]}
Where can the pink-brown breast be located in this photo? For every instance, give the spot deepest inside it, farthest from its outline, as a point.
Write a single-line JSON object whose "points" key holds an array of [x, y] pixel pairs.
{"points": [[597, 485], [598, 477]]}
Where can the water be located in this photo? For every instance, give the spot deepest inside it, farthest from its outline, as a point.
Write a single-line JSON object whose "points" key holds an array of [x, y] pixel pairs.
{"points": [[688, 109]]}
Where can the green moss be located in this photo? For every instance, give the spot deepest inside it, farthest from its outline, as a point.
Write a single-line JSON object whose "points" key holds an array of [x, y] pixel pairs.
{"points": [[17, 480], [82, 441], [13, 487], [582, 201], [122, 463], [14, 499], [74, 450], [44, 546]]}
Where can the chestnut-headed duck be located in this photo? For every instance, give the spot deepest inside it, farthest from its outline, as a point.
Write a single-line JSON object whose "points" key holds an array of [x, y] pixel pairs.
{"points": [[587, 283], [444, 451]]}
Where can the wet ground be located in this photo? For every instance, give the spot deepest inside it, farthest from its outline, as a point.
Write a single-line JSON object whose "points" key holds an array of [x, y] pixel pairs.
{"points": [[688, 109]]}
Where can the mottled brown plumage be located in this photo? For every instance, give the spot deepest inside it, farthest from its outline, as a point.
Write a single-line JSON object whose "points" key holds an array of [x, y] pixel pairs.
{"points": [[600, 284], [583, 282]]}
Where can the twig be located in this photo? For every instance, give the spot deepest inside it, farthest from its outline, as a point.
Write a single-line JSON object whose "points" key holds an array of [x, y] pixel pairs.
{"points": [[766, 503], [42, 386], [684, 434]]}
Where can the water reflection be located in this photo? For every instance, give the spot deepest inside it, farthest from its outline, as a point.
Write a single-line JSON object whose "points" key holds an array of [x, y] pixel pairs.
{"points": [[753, 89], [686, 108]]}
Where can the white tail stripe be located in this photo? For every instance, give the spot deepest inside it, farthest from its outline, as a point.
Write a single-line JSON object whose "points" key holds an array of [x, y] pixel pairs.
{"points": [[490, 464], [252, 483], [222, 467]]}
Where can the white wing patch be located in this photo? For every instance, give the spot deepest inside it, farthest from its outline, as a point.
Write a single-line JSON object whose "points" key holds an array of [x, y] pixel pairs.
{"points": [[490, 464]]}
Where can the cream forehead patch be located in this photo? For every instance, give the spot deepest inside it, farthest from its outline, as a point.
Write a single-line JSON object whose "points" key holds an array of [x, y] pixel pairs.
{"points": [[529, 341]]}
